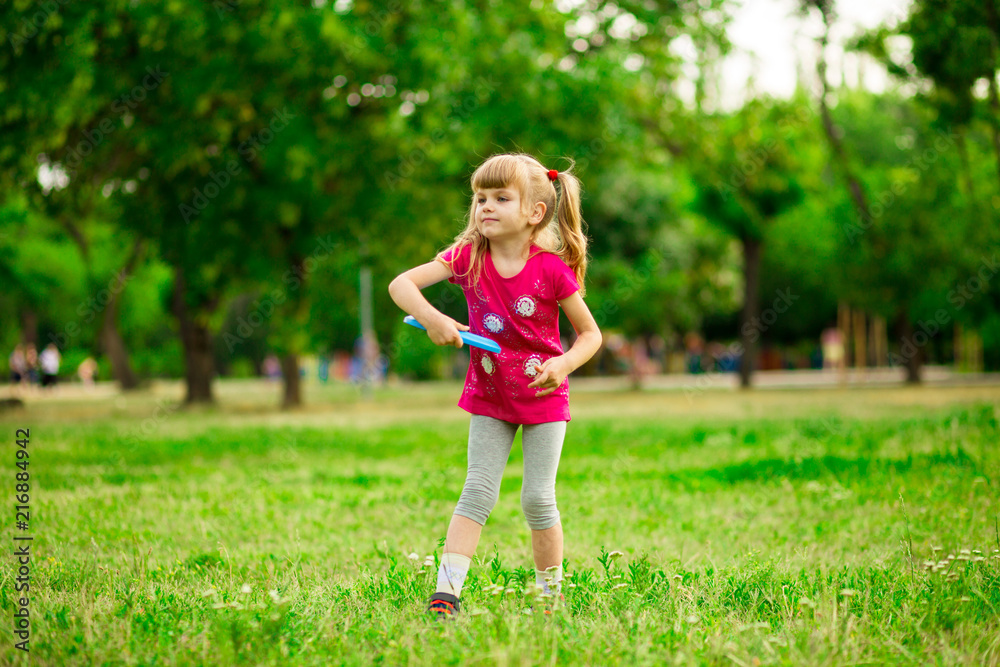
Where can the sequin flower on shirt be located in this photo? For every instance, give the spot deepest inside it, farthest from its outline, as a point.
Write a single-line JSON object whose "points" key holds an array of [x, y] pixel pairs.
{"points": [[493, 322], [529, 366], [524, 306], [488, 365]]}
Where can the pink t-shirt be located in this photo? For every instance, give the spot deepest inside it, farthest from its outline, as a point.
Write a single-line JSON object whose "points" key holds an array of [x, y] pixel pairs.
{"points": [[522, 315]]}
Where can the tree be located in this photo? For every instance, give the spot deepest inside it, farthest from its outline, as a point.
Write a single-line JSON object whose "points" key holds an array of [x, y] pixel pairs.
{"points": [[748, 171], [941, 225]]}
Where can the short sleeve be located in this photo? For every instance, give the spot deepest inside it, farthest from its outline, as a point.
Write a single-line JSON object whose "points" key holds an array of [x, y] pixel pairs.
{"points": [[458, 259], [563, 279]]}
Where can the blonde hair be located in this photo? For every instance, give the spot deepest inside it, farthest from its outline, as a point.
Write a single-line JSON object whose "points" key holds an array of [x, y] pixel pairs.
{"points": [[566, 238]]}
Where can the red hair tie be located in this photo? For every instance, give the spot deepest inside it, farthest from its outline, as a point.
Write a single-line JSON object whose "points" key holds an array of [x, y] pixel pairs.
{"points": [[553, 174]]}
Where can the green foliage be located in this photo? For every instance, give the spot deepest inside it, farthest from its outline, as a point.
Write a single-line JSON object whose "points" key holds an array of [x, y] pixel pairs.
{"points": [[930, 168], [414, 357], [749, 167], [272, 149], [954, 43], [904, 250], [801, 256], [41, 270]]}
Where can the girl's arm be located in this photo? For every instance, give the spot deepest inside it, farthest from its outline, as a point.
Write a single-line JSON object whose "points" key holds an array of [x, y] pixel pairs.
{"points": [[552, 373], [405, 291]]}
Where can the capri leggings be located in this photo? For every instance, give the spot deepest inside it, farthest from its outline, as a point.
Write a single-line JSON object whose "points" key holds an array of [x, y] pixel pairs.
{"points": [[490, 441]]}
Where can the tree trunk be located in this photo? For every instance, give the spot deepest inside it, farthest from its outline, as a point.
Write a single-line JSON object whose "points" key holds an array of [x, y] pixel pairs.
{"points": [[860, 339], [29, 327], [833, 133], [296, 313], [112, 343], [750, 330], [880, 341], [959, 363], [197, 342], [967, 176], [639, 360], [292, 380], [844, 326], [912, 353]]}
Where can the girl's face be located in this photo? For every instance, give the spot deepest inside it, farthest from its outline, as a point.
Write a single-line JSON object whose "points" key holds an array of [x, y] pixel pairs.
{"points": [[500, 216]]}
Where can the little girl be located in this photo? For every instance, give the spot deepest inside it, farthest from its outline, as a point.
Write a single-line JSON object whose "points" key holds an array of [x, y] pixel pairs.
{"points": [[516, 271]]}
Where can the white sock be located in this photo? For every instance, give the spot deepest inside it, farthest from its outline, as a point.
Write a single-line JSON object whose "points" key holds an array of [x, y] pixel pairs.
{"points": [[451, 575], [550, 579]]}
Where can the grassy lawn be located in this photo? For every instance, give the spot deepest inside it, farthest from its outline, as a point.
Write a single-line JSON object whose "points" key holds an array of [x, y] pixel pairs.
{"points": [[772, 527]]}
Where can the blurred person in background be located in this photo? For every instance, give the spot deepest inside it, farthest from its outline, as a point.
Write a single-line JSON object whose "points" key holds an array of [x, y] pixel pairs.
{"points": [[694, 348], [49, 362], [87, 371], [272, 367], [31, 363], [832, 344], [18, 365]]}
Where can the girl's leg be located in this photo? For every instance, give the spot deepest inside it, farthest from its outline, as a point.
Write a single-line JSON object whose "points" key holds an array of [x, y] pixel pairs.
{"points": [[490, 441], [463, 536], [547, 547], [542, 448]]}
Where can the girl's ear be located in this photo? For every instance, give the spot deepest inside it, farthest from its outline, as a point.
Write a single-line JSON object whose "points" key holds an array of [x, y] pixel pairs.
{"points": [[537, 213]]}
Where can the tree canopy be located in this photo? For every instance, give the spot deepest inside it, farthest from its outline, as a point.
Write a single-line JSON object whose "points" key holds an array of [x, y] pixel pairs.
{"points": [[190, 184]]}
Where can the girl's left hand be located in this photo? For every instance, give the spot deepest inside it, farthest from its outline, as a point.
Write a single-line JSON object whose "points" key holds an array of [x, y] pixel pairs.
{"points": [[551, 375]]}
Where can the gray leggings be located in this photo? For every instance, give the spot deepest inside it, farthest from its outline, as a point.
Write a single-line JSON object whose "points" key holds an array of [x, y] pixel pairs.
{"points": [[490, 441]]}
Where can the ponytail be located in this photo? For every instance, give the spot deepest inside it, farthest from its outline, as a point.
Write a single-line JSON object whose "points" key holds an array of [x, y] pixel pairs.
{"points": [[574, 242]]}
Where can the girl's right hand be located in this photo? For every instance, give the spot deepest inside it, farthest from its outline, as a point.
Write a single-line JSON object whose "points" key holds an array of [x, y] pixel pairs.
{"points": [[445, 331]]}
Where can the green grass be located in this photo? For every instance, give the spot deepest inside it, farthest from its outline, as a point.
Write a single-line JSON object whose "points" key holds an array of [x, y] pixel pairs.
{"points": [[226, 536]]}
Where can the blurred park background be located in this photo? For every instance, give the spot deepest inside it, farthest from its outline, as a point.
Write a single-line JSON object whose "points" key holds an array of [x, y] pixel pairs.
{"points": [[224, 189]]}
